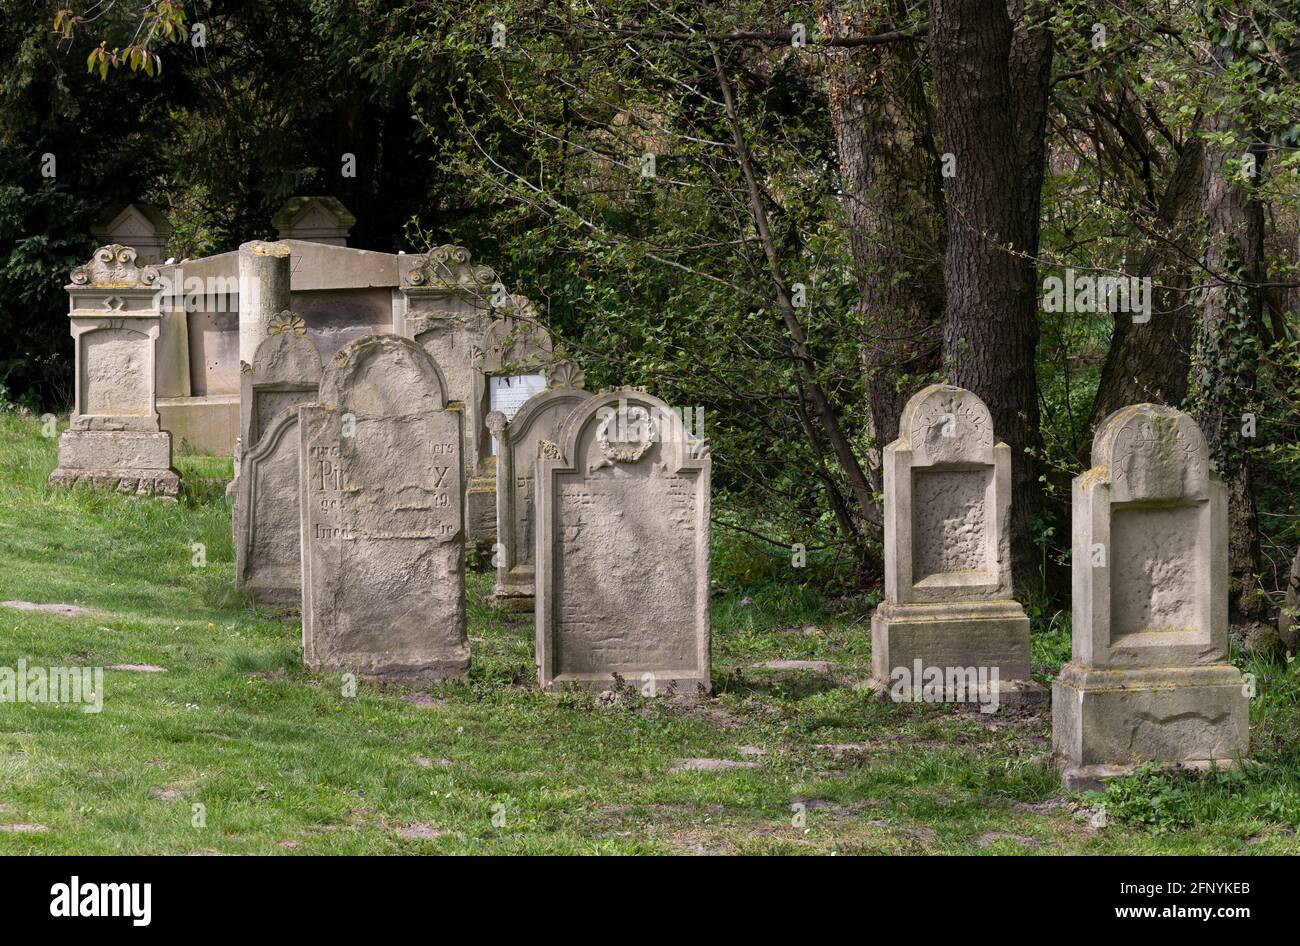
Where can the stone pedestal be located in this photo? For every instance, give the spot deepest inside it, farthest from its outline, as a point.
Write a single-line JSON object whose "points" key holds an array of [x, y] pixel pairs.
{"points": [[263, 293], [1149, 678], [948, 608], [127, 461], [114, 440]]}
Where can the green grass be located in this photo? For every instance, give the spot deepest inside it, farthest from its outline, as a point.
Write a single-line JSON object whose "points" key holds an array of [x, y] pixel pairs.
{"points": [[283, 762]]}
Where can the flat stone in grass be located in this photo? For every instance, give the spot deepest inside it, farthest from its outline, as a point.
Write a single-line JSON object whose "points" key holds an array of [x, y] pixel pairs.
{"points": [[811, 666], [64, 610], [989, 838], [138, 668], [711, 765]]}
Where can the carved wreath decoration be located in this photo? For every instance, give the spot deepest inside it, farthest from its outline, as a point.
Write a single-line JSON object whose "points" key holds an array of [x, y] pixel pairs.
{"points": [[625, 450]]}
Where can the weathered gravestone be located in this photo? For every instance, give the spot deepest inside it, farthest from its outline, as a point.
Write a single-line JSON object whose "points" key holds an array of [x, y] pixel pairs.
{"points": [[285, 373], [383, 580], [1149, 680], [533, 428], [948, 614], [510, 364], [462, 315], [114, 439], [622, 556], [140, 226]]}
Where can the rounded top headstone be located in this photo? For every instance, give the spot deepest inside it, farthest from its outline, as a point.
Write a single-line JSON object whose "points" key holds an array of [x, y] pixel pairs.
{"points": [[1151, 451], [383, 375], [943, 423]]}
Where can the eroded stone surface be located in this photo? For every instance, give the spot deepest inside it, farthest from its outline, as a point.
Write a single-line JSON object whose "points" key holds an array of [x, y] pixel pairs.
{"points": [[114, 440], [285, 374], [382, 513], [1149, 679], [948, 595], [623, 549]]}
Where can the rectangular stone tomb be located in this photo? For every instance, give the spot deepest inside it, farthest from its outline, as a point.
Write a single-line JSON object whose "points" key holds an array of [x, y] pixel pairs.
{"points": [[948, 610], [622, 555], [1149, 678], [382, 517]]}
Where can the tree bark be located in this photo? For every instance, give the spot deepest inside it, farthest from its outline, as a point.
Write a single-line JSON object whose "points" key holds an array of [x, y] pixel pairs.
{"points": [[991, 316], [1288, 621], [1148, 362], [1224, 371], [893, 201]]}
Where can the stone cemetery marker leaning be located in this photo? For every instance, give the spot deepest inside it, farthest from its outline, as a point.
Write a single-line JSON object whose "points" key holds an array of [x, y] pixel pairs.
{"points": [[1149, 679], [534, 428], [114, 439], [949, 629], [622, 556], [285, 373], [383, 585]]}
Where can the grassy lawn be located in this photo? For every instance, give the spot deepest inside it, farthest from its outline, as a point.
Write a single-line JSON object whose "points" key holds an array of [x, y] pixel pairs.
{"points": [[281, 761]]}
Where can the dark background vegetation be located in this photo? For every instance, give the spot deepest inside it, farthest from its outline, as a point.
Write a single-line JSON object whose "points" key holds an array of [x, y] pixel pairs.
{"points": [[774, 166]]}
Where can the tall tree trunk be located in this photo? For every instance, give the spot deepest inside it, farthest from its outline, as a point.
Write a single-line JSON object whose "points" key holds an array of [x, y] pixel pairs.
{"points": [[1224, 361], [994, 134], [1149, 361], [893, 199]]}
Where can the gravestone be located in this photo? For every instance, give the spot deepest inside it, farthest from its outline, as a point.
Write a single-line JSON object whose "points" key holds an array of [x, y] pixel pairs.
{"points": [[285, 373], [314, 220], [510, 364], [139, 226], [622, 555], [383, 584], [1149, 678], [948, 610], [113, 438], [454, 308], [520, 440]]}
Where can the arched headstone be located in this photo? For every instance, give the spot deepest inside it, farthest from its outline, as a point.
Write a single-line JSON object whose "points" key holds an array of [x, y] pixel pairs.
{"points": [[949, 629], [382, 516], [1149, 679], [531, 433], [622, 560]]}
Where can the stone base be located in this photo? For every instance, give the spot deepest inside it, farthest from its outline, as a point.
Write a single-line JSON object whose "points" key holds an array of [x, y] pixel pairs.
{"points": [[683, 684], [481, 511], [208, 424], [513, 602], [1010, 693], [1106, 723], [378, 671], [135, 462], [1093, 778], [978, 634]]}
